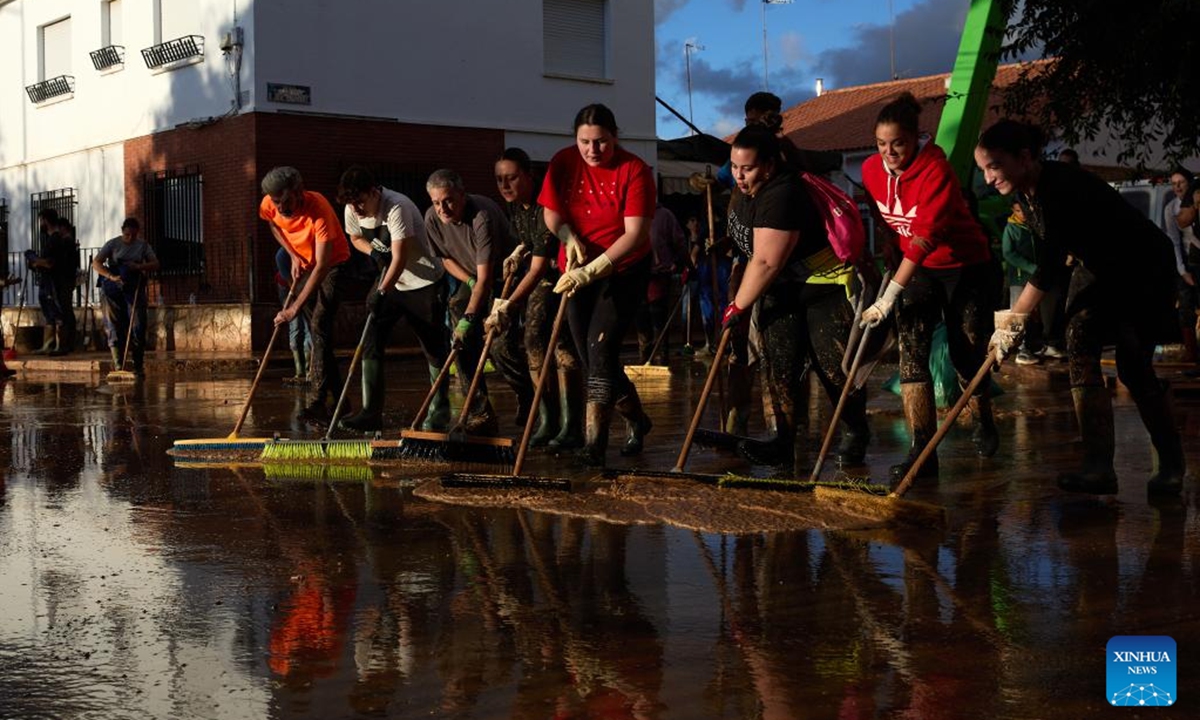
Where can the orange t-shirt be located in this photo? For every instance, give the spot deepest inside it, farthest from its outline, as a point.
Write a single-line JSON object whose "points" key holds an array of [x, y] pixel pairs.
{"points": [[315, 222]]}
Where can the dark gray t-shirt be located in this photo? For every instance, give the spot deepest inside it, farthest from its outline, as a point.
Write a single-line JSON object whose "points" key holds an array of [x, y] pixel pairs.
{"points": [[115, 252], [481, 238]]}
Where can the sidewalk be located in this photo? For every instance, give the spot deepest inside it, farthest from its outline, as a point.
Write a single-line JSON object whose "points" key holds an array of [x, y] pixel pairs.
{"points": [[167, 362]]}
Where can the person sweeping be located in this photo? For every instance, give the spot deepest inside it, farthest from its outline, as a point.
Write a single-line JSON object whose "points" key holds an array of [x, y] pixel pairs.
{"points": [[1122, 292], [799, 284], [599, 200], [122, 264], [947, 273]]}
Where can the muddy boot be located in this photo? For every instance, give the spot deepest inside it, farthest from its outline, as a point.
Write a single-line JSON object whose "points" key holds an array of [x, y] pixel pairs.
{"points": [[437, 418], [301, 376], [777, 452], [637, 422], [483, 421], [370, 418], [570, 405], [1093, 409], [985, 435], [115, 352], [50, 341], [597, 417], [547, 419], [738, 420], [852, 450], [315, 413], [1155, 409], [921, 415]]}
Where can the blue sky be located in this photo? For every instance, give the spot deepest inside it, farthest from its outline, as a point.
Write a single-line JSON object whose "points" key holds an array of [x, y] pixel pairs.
{"points": [[845, 42]]}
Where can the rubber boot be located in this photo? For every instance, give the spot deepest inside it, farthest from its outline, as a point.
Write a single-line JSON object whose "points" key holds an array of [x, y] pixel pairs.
{"points": [[637, 422], [301, 376], [856, 433], [547, 422], [370, 418], [571, 405], [116, 357], [437, 418], [779, 451], [1093, 410], [482, 420], [595, 446], [1155, 410], [985, 436], [50, 340], [921, 414], [740, 392]]}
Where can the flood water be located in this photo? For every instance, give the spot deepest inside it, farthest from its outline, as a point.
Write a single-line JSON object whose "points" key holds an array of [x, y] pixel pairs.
{"points": [[131, 587]]}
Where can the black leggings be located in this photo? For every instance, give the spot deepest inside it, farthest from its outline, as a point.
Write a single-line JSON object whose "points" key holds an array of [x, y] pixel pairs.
{"points": [[540, 310], [600, 315], [425, 311], [966, 300]]}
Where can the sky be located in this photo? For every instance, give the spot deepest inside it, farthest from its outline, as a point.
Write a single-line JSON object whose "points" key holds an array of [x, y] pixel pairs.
{"points": [[844, 42]]}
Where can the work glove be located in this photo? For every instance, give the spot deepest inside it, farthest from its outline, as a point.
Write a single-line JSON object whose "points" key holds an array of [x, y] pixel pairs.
{"points": [[375, 299], [882, 307], [732, 319], [512, 263], [498, 320], [576, 252], [462, 329], [1010, 329], [572, 280]]}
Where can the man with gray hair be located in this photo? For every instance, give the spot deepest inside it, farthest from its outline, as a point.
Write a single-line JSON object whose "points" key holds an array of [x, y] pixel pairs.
{"points": [[471, 235], [306, 226]]}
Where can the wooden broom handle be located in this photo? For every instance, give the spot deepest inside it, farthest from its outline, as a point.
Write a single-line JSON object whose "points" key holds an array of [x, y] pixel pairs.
{"points": [[237, 427], [483, 357], [708, 384], [547, 363]]}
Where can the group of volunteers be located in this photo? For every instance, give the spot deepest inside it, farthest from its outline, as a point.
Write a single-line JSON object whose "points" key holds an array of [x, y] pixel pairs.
{"points": [[584, 238]]}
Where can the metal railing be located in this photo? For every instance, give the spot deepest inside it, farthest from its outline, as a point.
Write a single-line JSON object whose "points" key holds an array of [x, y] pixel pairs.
{"points": [[173, 51], [107, 57], [50, 88], [61, 201]]}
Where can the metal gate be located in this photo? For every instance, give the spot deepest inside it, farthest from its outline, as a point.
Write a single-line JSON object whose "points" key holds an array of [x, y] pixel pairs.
{"points": [[175, 219], [61, 201]]}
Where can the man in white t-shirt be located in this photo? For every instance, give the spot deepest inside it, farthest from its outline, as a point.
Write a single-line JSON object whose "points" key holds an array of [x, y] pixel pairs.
{"points": [[387, 226], [1187, 248]]}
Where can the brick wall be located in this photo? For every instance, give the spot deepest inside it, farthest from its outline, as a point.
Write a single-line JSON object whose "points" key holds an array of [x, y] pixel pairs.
{"points": [[233, 155]]}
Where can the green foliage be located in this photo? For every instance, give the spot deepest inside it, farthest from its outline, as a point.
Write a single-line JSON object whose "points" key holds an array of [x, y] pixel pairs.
{"points": [[1129, 67]]}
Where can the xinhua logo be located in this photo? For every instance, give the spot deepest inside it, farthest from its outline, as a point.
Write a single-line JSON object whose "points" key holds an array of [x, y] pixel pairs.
{"points": [[1141, 671]]}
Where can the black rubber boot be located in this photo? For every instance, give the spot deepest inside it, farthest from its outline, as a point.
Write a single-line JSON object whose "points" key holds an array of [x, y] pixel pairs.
{"points": [[985, 436], [571, 404], [1093, 410], [740, 392], [779, 451], [1155, 410], [921, 414], [595, 447], [637, 422], [852, 450], [547, 421], [437, 418], [370, 418], [482, 420]]}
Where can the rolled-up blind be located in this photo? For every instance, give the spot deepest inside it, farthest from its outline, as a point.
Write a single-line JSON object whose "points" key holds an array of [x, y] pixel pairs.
{"points": [[573, 33], [56, 49]]}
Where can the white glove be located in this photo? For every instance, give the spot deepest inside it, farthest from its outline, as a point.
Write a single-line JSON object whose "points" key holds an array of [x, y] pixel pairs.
{"points": [[498, 319], [1010, 328], [512, 263], [576, 252], [882, 307], [571, 281]]}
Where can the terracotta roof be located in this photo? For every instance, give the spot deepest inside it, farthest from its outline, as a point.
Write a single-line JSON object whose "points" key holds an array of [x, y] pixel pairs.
{"points": [[844, 119]]}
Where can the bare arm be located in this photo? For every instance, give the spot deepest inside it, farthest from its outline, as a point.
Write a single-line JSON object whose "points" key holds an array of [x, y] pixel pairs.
{"points": [[637, 235], [772, 248], [319, 270], [283, 243], [458, 271], [1028, 300], [482, 289], [537, 270], [399, 257]]}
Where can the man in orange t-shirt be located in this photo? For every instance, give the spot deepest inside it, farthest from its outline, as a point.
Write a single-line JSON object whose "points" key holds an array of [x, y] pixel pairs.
{"points": [[306, 226]]}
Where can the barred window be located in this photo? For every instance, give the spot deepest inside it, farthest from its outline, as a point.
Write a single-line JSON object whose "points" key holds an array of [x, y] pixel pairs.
{"points": [[174, 223], [61, 201], [6, 262]]}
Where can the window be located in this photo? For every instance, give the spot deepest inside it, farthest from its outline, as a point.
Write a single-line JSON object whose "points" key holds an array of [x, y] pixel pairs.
{"points": [[61, 201], [575, 38], [55, 43], [175, 219], [110, 23], [175, 19], [5, 261]]}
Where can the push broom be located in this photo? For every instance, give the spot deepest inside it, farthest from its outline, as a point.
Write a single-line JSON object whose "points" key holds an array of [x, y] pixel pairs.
{"points": [[231, 443], [646, 370], [404, 448], [11, 353], [327, 448]]}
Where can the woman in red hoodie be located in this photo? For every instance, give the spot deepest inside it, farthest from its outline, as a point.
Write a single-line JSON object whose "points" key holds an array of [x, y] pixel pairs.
{"points": [[947, 273]]}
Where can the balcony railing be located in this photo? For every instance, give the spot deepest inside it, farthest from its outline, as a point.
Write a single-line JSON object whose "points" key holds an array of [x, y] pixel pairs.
{"points": [[173, 51], [51, 88], [107, 57]]}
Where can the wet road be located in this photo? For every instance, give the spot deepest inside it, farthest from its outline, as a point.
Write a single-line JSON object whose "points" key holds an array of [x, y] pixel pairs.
{"points": [[133, 588]]}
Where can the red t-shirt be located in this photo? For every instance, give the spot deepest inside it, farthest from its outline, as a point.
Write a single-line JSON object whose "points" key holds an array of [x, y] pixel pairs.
{"points": [[596, 200], [314, 222]]}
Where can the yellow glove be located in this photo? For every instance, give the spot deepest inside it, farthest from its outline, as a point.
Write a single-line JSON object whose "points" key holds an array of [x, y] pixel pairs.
{"points": [[1010, 329], [576, 252], [498, 319], [571, 281]]}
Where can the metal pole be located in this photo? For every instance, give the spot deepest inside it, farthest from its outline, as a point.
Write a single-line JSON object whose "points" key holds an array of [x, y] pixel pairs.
{"points": [[766, 85], [892, 36], [687, 54]]}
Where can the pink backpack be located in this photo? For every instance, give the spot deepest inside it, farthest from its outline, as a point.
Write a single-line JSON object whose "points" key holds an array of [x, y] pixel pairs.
{"points": [[840, 213]]}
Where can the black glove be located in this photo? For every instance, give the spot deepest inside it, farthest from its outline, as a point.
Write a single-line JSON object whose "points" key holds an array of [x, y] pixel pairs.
{"points": [[374, 300]]}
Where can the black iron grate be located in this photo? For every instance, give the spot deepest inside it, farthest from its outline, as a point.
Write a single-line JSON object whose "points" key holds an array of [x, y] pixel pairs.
{"points": [[52, 88], [107, 57], [188, 46]]}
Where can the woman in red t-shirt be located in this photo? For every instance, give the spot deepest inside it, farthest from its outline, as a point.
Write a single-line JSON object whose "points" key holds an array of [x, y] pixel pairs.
{"points": [[947, 274], [599, 199]]}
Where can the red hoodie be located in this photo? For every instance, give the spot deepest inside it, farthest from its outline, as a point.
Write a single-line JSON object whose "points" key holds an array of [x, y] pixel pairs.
{"points": [[924, 200]]}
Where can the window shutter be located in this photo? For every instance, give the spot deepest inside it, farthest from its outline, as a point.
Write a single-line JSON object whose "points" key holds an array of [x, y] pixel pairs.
{"points": [[573, 36], [56, 49], [112, 22], [179, 18]]}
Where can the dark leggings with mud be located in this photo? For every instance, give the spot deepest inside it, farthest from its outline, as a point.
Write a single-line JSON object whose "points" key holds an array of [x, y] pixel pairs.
{"points": [[540, 310], [600, 315], [806, 326], [965, 299]]}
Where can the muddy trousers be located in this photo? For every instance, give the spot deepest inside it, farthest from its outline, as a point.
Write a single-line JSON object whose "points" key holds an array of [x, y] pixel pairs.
{"points": [[806, 326], [600, 315], [506, 354], [1087, 330], [320, 312], [556, 417], [117, 302]]}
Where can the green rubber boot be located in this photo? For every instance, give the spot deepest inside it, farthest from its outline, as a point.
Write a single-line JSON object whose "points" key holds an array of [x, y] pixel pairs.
{"points": [[438, 417], [370, 418], [571, 405], [547, 419]]}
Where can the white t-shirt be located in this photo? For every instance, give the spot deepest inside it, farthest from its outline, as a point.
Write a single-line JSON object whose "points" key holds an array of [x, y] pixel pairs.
{"points": [[398, 218], [1181, 238]]}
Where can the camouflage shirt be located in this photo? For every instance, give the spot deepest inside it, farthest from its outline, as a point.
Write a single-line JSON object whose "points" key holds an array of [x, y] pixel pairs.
{"points": [[529, 228]]}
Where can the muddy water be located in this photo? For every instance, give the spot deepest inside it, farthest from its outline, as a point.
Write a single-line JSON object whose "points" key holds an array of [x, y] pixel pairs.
{"points": [[134, 588]]}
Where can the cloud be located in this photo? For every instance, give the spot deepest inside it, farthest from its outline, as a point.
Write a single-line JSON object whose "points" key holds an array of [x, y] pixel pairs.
{"points": [[664, 9], [927, 37], [791, 46], [737, 4]]}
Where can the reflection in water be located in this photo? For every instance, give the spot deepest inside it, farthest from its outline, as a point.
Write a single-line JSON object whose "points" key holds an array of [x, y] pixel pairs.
{"points": [[130, 587]]}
